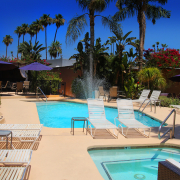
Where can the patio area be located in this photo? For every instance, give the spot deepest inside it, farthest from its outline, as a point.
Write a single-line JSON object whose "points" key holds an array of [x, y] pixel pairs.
{"points": [[59, 155]]}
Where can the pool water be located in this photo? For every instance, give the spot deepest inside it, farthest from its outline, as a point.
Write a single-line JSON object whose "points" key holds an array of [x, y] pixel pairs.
{"points": [[131, 164], [59, 114]]}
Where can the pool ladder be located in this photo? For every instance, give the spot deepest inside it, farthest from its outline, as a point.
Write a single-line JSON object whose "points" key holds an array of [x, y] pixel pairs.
{"points": [[37, 96], [171, 130]]}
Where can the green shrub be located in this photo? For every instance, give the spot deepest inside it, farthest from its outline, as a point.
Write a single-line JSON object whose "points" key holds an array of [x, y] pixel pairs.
{"points": [[166, 102], [77, 88]]}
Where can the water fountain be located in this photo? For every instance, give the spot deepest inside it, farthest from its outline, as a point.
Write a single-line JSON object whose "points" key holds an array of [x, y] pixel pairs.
{"points": [[88, 90]]}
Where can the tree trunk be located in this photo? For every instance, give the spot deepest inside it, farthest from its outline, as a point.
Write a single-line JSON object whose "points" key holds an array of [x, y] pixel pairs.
{"points": [[117, 77], [36, 38], [18, 48], [142, 28], [91, 16], [6, 51], [23, 38], [55, 34], [46, 42]]}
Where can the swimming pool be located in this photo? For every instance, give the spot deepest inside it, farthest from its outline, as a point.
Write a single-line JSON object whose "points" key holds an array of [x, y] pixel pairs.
{"points": [[131, 164], [59, 114]]}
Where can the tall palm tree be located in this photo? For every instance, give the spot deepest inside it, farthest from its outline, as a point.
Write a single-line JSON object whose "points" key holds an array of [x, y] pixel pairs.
{"points": [[37, 27], [55, 49], [24, 30], [31, 31], [121, 41], [18, 31], [7, 40], [46, 20], [143, 9], [59, 21], [76, 25]]}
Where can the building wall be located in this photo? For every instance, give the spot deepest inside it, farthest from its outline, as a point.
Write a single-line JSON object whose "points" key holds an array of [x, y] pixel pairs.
{"points": [[67, 74], [172, 87]]}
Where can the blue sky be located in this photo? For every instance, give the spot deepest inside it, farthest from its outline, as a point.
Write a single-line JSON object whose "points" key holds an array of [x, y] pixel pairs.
{"points": [[16, 12]]}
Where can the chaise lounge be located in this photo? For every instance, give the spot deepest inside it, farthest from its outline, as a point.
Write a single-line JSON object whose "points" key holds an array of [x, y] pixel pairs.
{"points": [[126, 117], [97, 117]]}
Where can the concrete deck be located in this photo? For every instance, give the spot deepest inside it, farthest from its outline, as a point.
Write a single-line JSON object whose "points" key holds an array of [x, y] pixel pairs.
{"points": [[62, 156]]}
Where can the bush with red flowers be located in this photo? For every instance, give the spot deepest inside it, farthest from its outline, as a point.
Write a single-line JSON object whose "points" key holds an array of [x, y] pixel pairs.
{"points": [[163, 58]]}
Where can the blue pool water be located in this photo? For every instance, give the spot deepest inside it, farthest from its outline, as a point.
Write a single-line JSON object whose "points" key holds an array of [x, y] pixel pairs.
{"points": [[131, 164], [59, 114]]}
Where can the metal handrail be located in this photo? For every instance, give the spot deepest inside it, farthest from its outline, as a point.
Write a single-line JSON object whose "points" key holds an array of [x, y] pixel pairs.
{"points": [[41, 92], [170, 129], [145, 106]]}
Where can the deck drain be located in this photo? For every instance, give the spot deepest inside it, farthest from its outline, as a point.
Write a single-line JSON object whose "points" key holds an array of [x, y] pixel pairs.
{"points": [[139, 176]]}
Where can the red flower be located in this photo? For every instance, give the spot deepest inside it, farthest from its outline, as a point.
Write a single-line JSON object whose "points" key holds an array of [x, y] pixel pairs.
{"points": [[138, 82]]}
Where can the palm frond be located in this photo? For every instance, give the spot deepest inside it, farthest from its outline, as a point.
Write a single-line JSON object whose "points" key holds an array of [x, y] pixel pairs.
{"points": [[153, 13], [75, 28]]}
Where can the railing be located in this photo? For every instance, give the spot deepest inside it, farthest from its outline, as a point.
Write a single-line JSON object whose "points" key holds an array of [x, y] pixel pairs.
{"points": [[170, 129], [37, 96], [145, 105]]}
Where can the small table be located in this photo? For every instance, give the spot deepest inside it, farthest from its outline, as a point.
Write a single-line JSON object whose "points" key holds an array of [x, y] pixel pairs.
{"points": [[78, 119], [5, 133]]}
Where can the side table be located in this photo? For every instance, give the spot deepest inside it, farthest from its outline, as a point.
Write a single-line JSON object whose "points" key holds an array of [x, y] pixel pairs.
{"points": [[5, 133], [73, 119]]}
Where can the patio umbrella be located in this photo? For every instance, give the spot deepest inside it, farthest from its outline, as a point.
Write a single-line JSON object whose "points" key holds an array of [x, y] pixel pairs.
{"points": [[4, 66], [175, 78], [36, 67]]}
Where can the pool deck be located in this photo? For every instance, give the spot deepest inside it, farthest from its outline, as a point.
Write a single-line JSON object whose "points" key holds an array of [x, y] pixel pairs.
{"points": [[62, 156]]}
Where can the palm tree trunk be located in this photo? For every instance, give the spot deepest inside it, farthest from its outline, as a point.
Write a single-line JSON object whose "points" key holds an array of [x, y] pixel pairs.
{"points": [[6, 51], [23, 38], [36, 38], [91, 16], [18, 48], [46, 42], [142, 28], [55, 34]]}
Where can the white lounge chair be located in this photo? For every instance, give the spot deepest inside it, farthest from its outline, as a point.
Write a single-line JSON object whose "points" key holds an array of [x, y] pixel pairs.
{"points": [[19, 160], [143, 96], [154, 98], [126, 117], [21, 126], [97, 116], [13, 173], [15, 157]]}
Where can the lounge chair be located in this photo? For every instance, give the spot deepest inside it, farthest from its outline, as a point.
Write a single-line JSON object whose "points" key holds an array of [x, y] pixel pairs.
{"points": [[26, 86], [113, 94], [143, 96], [169, 170], [19, 87], [154, 98], [14, 173], [21, 126], [17, 162], [15, 157], [126, 117], [101, 92], [97, 117], [5, 86], [24, 131], [175, 106]]}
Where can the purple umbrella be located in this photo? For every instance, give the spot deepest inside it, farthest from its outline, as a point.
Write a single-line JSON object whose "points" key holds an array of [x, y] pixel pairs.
{"points": [[36, 67], [6, 66], [175, 78]]}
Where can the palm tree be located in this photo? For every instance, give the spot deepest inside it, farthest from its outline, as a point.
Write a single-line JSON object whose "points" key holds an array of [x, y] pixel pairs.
{"points": [[7, 40], [143, 9], [31, 31], [37, 27], [153, 77], [24, 29], [59, 21], [46, 20], [29, 51], [18, 31], [122, 41], [76, 25], [55, 49]]}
